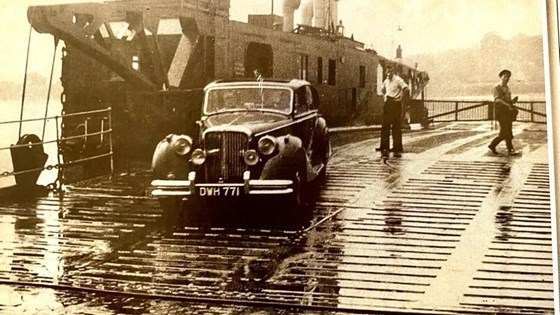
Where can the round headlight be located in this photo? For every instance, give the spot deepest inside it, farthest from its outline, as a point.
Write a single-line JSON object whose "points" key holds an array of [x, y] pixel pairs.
{"points": [[251, 157], [198, 157], [182, 144], [267, 145]]}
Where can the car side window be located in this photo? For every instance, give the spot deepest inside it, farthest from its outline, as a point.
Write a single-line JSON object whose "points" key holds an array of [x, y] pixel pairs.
{"points": [[316, 99], [311, 96], [301, 100]]}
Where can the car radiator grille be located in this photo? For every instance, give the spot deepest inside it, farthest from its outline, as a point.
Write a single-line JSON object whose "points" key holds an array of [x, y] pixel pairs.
{"points": [[225, 156]]}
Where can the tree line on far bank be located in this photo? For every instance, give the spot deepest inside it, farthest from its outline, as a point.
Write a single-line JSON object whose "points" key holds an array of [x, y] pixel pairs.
{"points": [[36, 88], [474, 70]]}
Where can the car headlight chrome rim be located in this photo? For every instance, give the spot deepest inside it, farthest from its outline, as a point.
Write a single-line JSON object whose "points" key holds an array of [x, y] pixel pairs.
{"points": [[251, 157], [198, 157], [267, 145], [182, 144]]}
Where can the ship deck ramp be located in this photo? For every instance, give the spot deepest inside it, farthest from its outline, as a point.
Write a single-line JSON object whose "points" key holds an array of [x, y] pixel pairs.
{"points": [[448, 228]]}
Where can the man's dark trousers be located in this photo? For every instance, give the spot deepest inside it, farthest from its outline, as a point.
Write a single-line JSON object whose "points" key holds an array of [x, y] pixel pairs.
{"points": [[392, 112], [506, 133]]}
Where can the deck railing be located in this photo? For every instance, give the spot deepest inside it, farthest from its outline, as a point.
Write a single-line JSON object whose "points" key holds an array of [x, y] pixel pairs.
{"points": [[442, 111], [100, 135]]}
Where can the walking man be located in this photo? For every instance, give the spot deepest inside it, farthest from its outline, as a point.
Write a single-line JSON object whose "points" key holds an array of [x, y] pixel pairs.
{"points": [[394, 90], [505, 113]]}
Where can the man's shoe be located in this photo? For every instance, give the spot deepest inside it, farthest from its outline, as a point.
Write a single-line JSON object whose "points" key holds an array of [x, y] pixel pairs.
{"points": [[378, 149], [493, 149], [385, 153], [397, 154], [512, 152]]}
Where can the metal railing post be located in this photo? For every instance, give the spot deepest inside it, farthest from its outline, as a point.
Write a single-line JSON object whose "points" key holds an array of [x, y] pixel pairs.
{"points": [[86, 131], [110, 122], [60, 168], [456, 111], [102, 130], [532, 112]]}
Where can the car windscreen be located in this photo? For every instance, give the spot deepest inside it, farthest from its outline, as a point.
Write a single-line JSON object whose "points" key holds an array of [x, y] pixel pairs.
{"points": [[248, 98]]}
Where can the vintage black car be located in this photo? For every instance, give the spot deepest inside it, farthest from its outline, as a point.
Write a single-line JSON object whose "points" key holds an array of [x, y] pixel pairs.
{"points": [[256, 138]]}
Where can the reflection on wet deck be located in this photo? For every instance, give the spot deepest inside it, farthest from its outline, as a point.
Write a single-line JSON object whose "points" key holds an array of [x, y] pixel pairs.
{"points": [[445, 228]]}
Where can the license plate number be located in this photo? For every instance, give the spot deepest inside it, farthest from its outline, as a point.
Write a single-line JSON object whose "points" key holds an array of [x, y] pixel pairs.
{"points": [[221, 191]]}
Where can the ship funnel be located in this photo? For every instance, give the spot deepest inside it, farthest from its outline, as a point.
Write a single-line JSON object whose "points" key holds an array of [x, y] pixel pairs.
{"points": [[325, 13], [334, 12], [288, 9], [307, 12], [319, 13]]}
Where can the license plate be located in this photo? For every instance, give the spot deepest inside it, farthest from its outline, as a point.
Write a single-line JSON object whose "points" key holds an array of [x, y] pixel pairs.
{"points": [[219, 191]]}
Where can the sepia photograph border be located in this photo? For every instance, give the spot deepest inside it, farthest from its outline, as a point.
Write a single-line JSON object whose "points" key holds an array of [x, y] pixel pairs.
{"points": [[551, 42]]}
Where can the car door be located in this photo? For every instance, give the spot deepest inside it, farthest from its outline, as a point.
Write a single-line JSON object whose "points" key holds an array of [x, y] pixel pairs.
{"points": [[305, 115]]}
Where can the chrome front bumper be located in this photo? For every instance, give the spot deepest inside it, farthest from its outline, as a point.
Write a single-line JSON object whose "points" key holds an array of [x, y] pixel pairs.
{"points": [[189, 187]]}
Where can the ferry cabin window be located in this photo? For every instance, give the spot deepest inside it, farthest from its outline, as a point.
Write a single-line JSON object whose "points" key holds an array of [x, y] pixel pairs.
{"points": [[319, 70], [354, 99], [259, 57], [362, 76], [332, 72], [303, 66], [136, 63]]}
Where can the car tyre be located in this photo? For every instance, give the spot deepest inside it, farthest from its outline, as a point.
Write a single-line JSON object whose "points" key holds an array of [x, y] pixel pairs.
{"points": [[325, 160], [298, 193]]}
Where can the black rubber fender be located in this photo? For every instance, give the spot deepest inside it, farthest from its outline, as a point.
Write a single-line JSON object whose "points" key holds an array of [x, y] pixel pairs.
{"points": [[28, 157]]}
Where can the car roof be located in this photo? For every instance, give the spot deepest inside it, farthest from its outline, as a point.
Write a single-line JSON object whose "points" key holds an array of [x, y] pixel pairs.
{"points": [[292, 84]]}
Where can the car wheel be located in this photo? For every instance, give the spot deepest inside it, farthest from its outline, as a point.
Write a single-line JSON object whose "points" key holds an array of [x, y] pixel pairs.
{"points": [[325, 156], [298, 199]]}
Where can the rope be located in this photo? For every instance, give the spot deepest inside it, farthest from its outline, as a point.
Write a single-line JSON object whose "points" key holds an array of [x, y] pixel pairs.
{"points": [[56, 166], [50, 86], [108, 131], [24, 81]]}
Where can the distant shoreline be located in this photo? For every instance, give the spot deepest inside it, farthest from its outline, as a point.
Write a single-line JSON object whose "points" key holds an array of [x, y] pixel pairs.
{"points": [[528, 97], [531, 97]]}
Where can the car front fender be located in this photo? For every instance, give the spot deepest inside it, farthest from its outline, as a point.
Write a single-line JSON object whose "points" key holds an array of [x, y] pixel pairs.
{"points": [[321, 143], [166, 163], [289, 160]]}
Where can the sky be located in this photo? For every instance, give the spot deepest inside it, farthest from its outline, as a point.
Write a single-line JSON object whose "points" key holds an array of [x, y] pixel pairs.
{"points": [[425, 26]]}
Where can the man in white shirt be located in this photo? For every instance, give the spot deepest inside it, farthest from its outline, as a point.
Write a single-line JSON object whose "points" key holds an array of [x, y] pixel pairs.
{"points": [[394, 90]]}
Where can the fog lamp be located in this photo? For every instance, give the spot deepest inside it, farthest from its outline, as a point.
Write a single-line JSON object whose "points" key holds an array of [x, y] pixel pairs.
{"points": [[198, 157], [251, 157]]}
